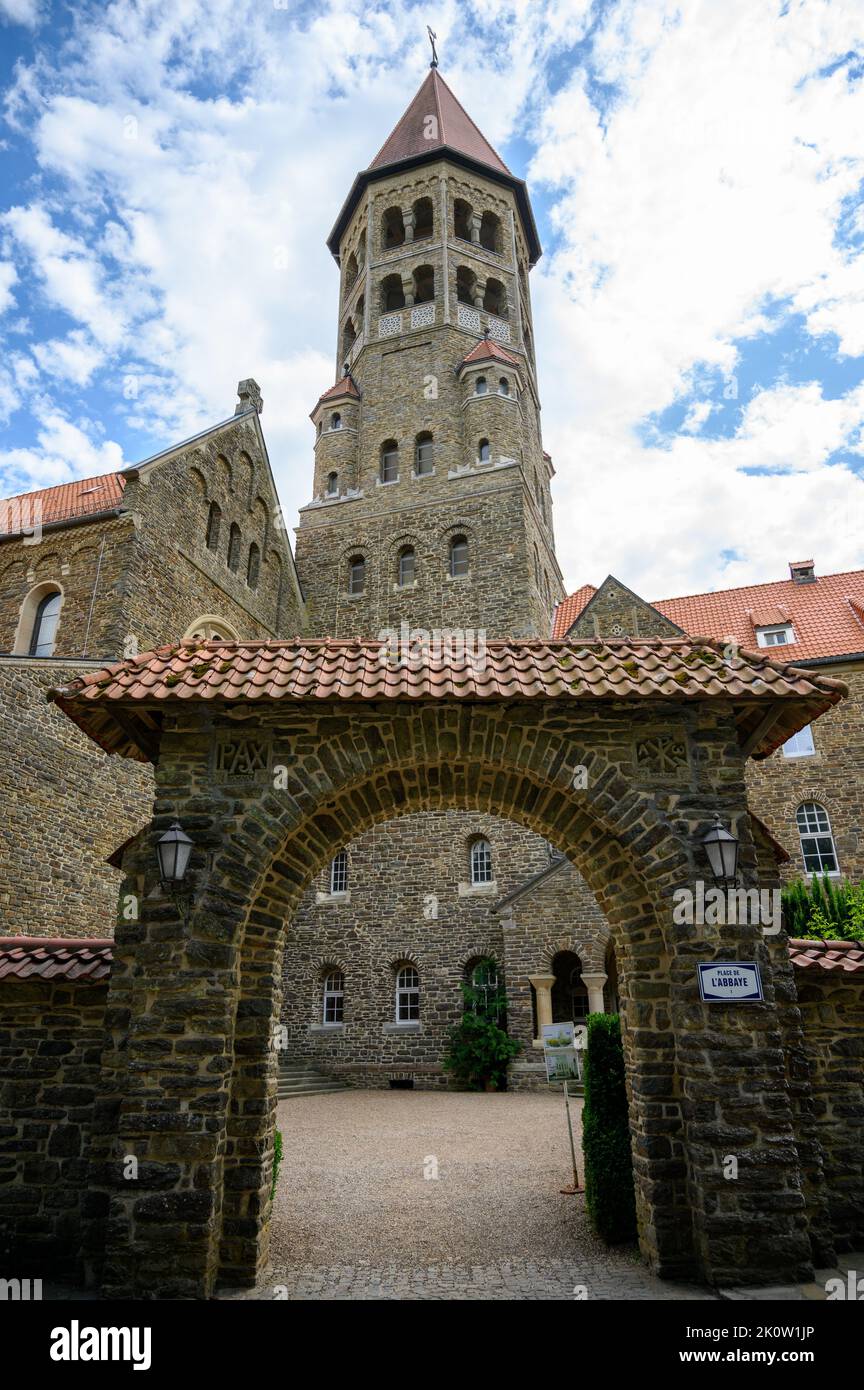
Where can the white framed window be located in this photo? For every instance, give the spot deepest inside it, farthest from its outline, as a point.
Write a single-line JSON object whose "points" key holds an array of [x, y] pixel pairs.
{"points": [[356, 575], [389, 462], [459, 558], [779, 636], [407, 567], [334, 997], [817, 839], [407, 995], [423, 458], [339, 872], [45, 623], [800, 745], [481, 863]]}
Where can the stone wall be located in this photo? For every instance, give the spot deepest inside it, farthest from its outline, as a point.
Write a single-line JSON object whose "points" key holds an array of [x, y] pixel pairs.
{"points": [[400, 873], [51, 1037], [66, 807], [833, 776], [88, 563], [129, 584], [832, 1007]]}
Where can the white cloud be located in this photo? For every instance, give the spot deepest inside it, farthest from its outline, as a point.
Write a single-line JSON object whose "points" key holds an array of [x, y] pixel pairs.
{"points": [[713, 188], [74, 358], [26, 12], [8, 276], [188, 250], [64, 449]]}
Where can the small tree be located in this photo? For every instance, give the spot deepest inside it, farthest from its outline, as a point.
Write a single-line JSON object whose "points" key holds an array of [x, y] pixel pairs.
{"points": [[609, 1194], [823, 908], [479, 1048]]}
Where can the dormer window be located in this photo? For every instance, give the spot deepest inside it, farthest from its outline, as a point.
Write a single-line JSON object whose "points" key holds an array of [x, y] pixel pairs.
{"points": [[779, 636]]}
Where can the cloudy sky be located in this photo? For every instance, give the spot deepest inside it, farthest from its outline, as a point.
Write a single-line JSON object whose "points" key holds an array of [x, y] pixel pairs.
{"points": [[171, 169]]}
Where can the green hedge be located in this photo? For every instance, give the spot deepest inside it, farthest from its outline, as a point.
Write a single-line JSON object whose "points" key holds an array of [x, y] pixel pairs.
{"points": [[277, 1159], [609, 1194]]}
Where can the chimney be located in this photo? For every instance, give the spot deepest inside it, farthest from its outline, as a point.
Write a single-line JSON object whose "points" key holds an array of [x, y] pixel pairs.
{"points": [[802, 571]]}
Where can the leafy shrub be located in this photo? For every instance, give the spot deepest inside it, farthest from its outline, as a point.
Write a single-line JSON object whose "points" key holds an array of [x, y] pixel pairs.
{"points": [[824, 908], [479, 1047], [609, 1194], [277, 1159]]}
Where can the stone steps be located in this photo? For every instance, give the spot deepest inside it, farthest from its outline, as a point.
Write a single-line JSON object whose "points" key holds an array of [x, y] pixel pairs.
{"points": [[303, 1079]]}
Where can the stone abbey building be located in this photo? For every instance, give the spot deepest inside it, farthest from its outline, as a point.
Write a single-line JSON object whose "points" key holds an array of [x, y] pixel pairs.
{"points": [[430, 521], [429, 528]]}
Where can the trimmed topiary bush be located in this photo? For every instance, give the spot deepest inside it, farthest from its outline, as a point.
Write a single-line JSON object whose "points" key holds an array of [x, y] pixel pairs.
{"points": [[609, 1195]]}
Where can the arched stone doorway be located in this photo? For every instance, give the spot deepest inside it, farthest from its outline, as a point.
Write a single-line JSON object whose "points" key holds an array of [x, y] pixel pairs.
{"points": [[569, 994], [334, 737]]}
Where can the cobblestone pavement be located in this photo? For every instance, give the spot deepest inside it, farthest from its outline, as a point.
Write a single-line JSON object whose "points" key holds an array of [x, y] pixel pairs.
{"points": [[426, 1194], [518, 1279]]}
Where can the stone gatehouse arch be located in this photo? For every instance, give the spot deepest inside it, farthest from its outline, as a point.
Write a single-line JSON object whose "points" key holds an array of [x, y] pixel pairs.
{"points": [[266, 752]]}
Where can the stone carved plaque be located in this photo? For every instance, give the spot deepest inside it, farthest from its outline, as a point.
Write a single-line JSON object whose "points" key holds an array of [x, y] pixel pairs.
{"points": [[662, 755], [240, 759]]}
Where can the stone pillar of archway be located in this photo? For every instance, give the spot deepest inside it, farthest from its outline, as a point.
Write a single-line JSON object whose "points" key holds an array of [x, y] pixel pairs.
{"points": [[594, 982], [543, 993]]}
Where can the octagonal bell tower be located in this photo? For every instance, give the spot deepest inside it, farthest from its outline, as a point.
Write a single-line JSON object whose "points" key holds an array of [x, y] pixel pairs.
{"points": [[431, 494]]}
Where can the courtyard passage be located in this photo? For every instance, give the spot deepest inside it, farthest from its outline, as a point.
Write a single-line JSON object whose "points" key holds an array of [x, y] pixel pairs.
{"points": [[423, 1194]]}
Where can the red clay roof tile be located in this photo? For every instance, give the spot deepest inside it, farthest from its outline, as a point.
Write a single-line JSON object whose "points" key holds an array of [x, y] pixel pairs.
{"points": [[316, 670], [827, 616], [344, 387], [82, 497], [487, 347], [84, 960], [844, 957]]}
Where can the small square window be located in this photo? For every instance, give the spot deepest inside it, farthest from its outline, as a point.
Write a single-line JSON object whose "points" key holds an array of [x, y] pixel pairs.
{"points": [[780, 636]]}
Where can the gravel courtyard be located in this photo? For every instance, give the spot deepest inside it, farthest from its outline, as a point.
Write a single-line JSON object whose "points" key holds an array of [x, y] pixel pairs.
{"points": [[356, 1215]]}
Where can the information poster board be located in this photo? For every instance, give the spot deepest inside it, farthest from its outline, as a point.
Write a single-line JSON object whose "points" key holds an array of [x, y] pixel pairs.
{"points": [[559, 1050]]}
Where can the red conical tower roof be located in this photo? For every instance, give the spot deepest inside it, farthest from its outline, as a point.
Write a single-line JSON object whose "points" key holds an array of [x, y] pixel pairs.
{"points": [[435, 125], [452, 128]]}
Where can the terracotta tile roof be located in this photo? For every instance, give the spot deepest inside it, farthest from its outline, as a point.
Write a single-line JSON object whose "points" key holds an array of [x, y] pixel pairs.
{"points": [[843, 957], [344, 387], [455, 129], [487, 347], [88, 960], [823, 614], [568, 610], [84, 960], [827, 616], [61, 503], [326, 669]]}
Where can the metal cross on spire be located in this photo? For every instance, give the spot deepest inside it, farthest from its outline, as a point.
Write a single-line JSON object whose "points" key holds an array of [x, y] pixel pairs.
{"points": [[432, 38]]}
